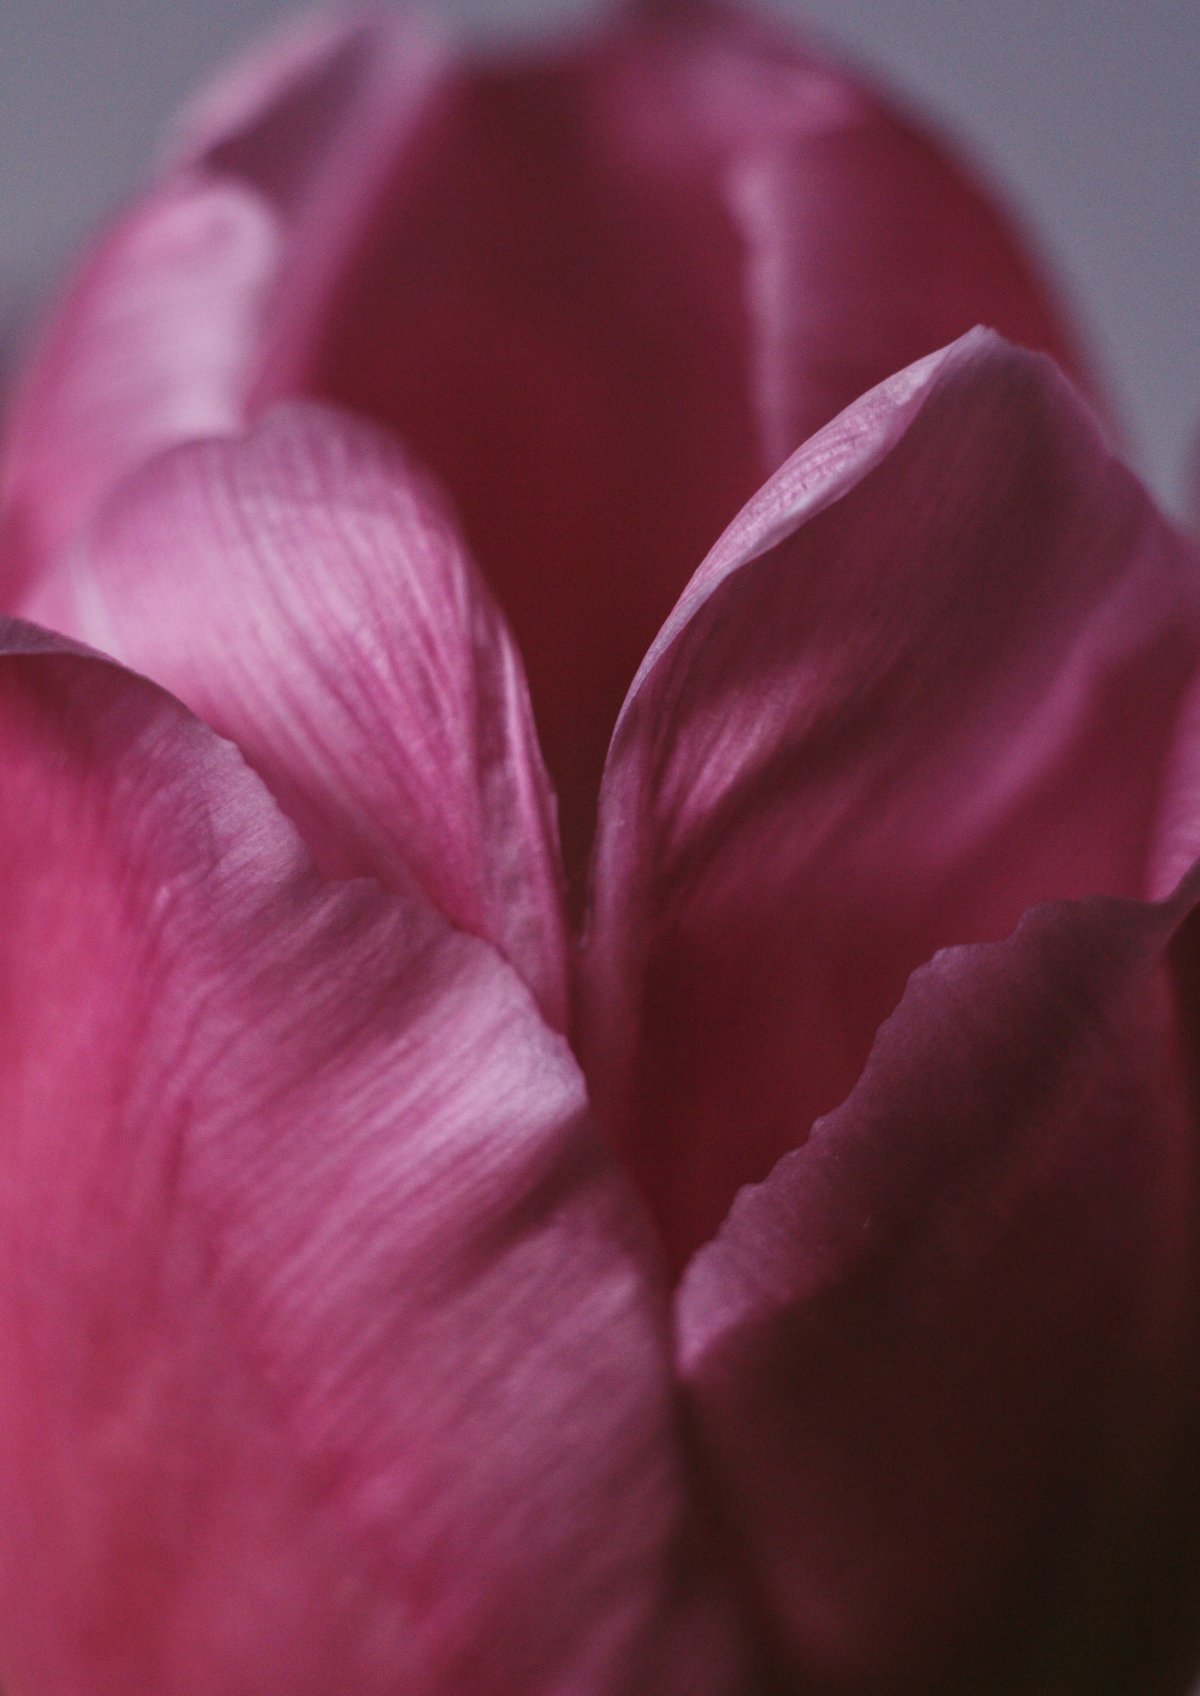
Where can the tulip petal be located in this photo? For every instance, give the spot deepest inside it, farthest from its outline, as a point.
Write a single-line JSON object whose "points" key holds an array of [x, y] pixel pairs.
{"points": [[329, 1353], [600, 290], [269, 114], [943, 1361], [154, 344], [868, 249], [930, 676], [304, 590], [178, 316], [611, 213]]}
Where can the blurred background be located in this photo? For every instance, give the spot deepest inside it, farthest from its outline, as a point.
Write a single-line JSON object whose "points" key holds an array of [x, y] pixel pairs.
{"points": [[1087, 117]]}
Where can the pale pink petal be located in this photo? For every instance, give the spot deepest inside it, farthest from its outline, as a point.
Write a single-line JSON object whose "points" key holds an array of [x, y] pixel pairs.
{"points": [[177, 318], [155, 343], [931, 675], [298, 81], [601, 289], [944, 1363], [329, 1356], [325, 123], [304, 590]]}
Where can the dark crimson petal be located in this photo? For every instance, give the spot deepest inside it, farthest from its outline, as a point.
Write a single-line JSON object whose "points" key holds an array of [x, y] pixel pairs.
{"points": [[945, 1360]]}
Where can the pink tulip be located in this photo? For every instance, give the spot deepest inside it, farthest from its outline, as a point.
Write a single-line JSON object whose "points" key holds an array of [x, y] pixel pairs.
{"points": [[782, 1281]]}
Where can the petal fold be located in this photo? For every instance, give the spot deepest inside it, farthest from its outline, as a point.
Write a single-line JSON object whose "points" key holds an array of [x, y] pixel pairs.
{"points": [[329, 1350], [943, 1361], [305, 591], [932, 674]]}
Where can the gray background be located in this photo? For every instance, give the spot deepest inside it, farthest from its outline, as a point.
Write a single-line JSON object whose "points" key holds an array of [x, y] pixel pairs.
{"points": [[1084, 111]]}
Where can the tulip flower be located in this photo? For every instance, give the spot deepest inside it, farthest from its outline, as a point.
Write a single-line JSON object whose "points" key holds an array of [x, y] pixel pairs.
{"points": [[599, 980]]}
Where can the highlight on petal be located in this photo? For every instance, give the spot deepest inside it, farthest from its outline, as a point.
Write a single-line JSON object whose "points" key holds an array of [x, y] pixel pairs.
{"points": [[304, 589], [868, 248], [328, 1350], [609, 222], [169, 329], [943, 1362], [155, 343], [601, 289], [934, 673]]}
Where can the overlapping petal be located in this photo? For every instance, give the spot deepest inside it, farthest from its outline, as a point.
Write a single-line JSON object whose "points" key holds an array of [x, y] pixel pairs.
{"points": [[155, 343], [602, 290], [304, 589], [192, 300], [893, 710], [329, 1359], [944, 1359]]}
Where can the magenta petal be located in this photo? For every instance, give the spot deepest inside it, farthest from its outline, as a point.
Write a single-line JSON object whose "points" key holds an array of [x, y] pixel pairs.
{"points": [[867, 249], [329, 1361], [944, 1361], [273, 113], [322, 123], [931, 675], [155, 343], [305, 591], [608, 289], [184, 317], [600, 289]]}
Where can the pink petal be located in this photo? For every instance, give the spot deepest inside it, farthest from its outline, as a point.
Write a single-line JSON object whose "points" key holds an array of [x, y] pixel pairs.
{"points": [[600, 289], [328, 1351], [271, 111], [868, 248], [931, 675], [943, 1362], [323, 123], [305, 591], [596, 220], [154, 344], [175, 319]]}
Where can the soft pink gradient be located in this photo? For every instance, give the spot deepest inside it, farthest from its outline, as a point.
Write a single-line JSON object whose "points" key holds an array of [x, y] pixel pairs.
{"points": [[602, 295], [782, 1280]]}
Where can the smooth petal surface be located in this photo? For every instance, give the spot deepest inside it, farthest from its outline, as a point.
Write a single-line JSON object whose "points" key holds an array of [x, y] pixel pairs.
{"points": [[155, 343], [944, 1361], [181, 310], [305, 591], [602, 289], [932, 674], [328, 1357], [869, 249], [676, 247]]}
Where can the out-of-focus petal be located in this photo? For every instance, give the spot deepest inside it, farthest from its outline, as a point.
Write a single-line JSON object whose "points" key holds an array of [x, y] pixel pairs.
{"points": [[627, 219], [193, 297], [601, 289], [156, 342], [868, 249], [944, 1360], [326, 124], [305, 591], [930, 676], [329, 1359], [274, 107]]}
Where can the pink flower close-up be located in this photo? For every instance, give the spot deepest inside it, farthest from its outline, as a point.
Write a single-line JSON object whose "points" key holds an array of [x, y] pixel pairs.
{"points": [[600, 972]]}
